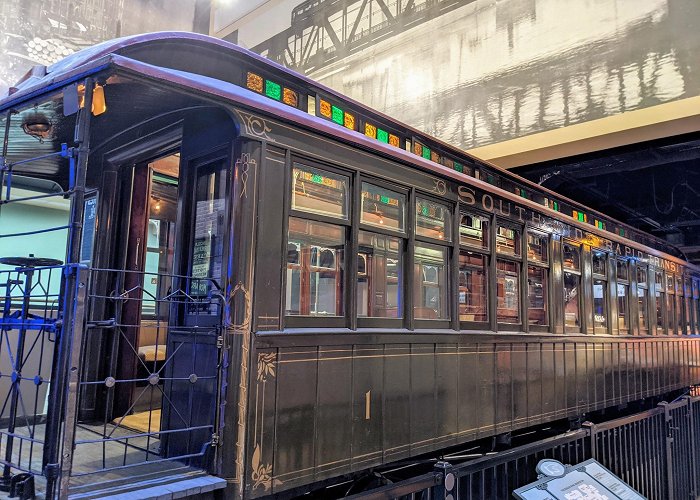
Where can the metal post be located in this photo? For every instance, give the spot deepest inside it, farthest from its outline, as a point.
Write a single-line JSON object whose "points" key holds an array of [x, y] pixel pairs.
{"points": [[447, 481], [5, 145], [65, 367], [669, 450], [591, 431], [691, 446], [17, 373]]}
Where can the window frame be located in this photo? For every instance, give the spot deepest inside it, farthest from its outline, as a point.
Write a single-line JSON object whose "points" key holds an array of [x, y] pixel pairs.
{"points": [[659, 301], [578, 271], [547, 266], [450, 262], [301, 321], [606, 279], [405, 240], [487, 253], [520, 262], [627, 283], [642, 286]]}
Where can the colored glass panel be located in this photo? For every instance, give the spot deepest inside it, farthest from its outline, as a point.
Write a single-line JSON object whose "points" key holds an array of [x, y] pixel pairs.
{"points": [[370, 130], [382, 135], [426, 152], [325, 108], [417, 148], [273, 90], [349, 121], [435, 157], [459, 167], [337, 115], [290, 97], [394, 140], [254, 82]]}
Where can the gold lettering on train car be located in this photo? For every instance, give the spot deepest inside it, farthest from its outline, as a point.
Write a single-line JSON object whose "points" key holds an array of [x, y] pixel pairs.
{"points": [[368, 396], [466, 195], [536, 218], [483, 202], [578, 234]]}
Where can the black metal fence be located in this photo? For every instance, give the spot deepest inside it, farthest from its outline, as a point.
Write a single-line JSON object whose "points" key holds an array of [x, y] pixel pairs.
{"points": [[656, 452]]}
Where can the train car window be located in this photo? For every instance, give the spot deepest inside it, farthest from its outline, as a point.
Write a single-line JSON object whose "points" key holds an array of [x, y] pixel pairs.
{"points": [[537, 295], [600, 260], [688, 305], [319, 192], [660, 298], [508, 241], [600, 292], [600, 296], [433, 220], [571, 261], [680, 326], [379, 276], [642, 272], [315, 263], [473, 286], [537, 247], [382, 207], [571, 257], [507, 292], [572, 318], [209, 227], [474, 230], [670, 304], [696, 299], [642, 310], [622, 272], [430, 297]]}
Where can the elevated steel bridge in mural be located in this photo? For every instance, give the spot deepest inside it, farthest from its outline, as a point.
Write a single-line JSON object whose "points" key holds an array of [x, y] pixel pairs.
{"points": [[493, 71]]}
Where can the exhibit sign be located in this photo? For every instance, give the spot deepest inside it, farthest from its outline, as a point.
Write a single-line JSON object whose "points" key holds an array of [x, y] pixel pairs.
{"points": [[588, 480]]}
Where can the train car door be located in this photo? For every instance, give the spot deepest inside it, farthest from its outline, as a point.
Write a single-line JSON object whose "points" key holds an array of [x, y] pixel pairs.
{"points": [[150, 248], [198, 298]]}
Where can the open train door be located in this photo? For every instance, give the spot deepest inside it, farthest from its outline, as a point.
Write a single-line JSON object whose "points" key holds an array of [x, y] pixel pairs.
{"points": [[197, 300]]}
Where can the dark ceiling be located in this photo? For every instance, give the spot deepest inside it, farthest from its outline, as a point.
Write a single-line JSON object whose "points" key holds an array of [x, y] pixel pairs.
{"points": [[654, 186]]}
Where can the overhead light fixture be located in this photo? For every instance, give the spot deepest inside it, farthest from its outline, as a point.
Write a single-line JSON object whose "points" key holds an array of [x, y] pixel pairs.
{"points": [[99, 104], [37, 124]]}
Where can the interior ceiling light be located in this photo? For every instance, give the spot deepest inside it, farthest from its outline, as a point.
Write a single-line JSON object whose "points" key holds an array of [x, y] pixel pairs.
{"points": [[37, 125]]}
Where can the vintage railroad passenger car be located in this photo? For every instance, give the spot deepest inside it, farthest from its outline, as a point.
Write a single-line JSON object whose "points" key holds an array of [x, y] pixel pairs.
{"points": [[275, 284]]}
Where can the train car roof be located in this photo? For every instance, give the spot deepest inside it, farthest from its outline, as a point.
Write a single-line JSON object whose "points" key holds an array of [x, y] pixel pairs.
{"points": [[103, 56]]}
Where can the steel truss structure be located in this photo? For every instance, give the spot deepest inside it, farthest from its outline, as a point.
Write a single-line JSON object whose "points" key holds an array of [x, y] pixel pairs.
{"points": [[324, 31]]}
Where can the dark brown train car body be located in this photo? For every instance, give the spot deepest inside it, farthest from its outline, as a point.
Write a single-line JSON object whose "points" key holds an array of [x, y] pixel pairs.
{"points": [[309, 399]]}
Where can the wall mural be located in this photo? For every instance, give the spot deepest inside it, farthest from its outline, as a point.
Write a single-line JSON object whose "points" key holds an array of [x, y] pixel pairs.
{"points": [[43, 31], [475, 72]]}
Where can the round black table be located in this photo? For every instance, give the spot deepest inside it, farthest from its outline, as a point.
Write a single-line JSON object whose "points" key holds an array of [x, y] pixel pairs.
{"points": [[30, 261]]}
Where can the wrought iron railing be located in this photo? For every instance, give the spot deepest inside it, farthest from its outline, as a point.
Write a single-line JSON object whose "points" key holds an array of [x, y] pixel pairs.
{"points": [[154, 400], [145, 393], [28, 328], [657, 452]]}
